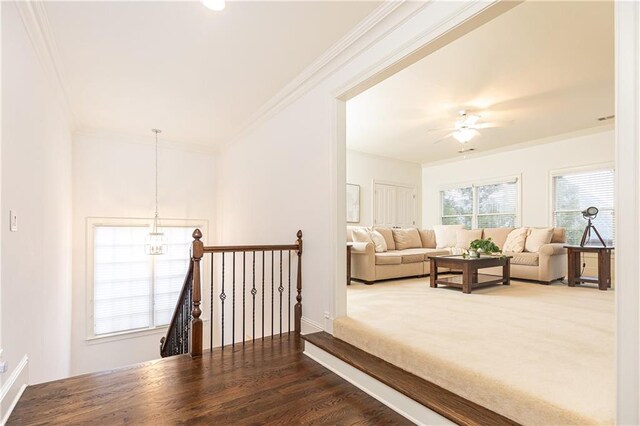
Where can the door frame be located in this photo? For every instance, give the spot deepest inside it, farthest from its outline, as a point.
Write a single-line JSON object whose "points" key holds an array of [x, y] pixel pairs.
{"points": [[627, 130]]}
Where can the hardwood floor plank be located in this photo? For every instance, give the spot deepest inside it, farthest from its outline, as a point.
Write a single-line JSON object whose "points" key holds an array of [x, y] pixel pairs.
{"points": [[268, 382]]}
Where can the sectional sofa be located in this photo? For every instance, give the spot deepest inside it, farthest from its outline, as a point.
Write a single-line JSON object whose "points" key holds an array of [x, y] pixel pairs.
{"points": [[409, 257]]}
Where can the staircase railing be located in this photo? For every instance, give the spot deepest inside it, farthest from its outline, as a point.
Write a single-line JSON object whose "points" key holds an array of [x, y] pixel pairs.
{"points": [[241, 295]]}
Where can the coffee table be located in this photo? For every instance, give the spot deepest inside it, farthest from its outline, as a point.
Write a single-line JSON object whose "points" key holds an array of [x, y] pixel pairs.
{"points": [[470, 277]]}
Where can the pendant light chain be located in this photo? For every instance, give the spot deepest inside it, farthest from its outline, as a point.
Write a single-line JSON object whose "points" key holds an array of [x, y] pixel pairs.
{"points": [[156, 242], [157, 131]]}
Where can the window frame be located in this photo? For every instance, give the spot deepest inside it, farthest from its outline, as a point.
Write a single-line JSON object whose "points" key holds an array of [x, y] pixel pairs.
{"points": [[589, 168], [91, 223], [516, 179]]}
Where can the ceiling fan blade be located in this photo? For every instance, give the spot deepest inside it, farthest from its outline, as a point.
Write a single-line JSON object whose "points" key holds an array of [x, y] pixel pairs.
{"points": [[441, 129], [443, 138], [493, 124]]}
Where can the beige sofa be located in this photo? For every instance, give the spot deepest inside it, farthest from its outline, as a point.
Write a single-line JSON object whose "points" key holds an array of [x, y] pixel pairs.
{"points": [[546, 265]]}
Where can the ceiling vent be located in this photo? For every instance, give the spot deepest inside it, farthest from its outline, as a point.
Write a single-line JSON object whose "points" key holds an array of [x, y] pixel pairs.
{"points": [[464, 151], [608, 117]]}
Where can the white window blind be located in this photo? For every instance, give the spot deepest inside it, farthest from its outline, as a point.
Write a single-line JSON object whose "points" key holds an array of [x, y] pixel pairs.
{"points": [[573, 193], [457, 207], [132, 290], [497, 205], [481, 206]]}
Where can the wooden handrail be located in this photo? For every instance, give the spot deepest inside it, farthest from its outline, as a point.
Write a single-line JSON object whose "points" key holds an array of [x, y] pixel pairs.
{"points": [[247, 248]]}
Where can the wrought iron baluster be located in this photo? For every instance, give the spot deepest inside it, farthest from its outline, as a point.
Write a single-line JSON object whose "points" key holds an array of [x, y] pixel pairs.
{"points": [[289, 295], [263, 294], [280, 290], [272, 293], [244, 287], [223, 296], [233, 304], [211, 305], [253, 295]]}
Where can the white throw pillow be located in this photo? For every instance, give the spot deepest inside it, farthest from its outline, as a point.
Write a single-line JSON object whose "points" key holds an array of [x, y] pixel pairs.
{"points": [[378, 241], [516, 240], [361, 236], [537, 238], [446, 235], [465, 237]]}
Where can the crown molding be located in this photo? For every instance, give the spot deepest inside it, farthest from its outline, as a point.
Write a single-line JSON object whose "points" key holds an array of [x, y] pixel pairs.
{"points": [[36, 23], [95, 134], [315, 72]]}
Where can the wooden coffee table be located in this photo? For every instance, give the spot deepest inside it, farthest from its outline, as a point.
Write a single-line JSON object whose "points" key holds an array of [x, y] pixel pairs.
{"points": [[470, 277]]}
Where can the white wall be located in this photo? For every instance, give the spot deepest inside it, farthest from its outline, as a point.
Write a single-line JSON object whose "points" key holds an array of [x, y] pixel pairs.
{"points": [[113, 176], [287, 172], [363, 169], [36, 182], [533, 164]]}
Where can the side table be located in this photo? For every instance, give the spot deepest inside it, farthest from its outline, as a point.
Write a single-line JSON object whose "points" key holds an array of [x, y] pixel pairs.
{"points": [[575, 267]]}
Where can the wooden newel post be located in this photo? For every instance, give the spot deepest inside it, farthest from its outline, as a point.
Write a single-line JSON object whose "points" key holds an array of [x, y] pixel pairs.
{"points": [[197, 251], [298, 306]]}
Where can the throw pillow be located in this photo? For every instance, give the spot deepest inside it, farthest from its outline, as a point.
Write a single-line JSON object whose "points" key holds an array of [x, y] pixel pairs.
{"points": [[407, 238], [464, 237], [516, 240], [388, 236], [378, 241], [446, 235], [428, 238], [361, 236], [537, 238]]}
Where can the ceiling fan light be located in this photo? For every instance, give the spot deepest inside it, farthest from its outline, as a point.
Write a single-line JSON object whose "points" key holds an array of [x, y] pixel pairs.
{"points": [[216, 5], [463, 135], [471, 119]]}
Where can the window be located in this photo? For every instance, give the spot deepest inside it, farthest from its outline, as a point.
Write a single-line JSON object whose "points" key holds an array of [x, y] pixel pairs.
{"points": [[490, 205], [132, 290], [574, 192]]}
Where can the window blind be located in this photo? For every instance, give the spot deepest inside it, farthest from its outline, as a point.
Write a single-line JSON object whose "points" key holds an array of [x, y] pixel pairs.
{"points": [[497, 205], [575, 192], [132, 290], [481, 206], [457, 206]]}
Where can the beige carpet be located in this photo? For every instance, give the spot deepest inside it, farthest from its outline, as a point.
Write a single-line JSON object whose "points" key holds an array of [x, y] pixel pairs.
{"points": [[540, 355]]}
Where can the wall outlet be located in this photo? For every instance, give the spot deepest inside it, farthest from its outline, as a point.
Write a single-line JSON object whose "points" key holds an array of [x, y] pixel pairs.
{"points": [[3, 367], [13, 221]]}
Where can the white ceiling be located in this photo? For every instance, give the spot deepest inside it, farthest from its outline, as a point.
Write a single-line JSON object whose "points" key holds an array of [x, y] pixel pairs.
{"points": [[195, 73], [546, 67]]}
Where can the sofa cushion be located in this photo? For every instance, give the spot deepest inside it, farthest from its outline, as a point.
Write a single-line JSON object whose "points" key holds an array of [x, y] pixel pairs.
{"points": [[414, 255], [350, 230], [464, 237], [559, 235], [497, 235], [406, 238], [389, 258], [527, 259], [516, 240], [360, 236], [428, 238], [446, 235], [536, 238], [378, 241], [387, 233], [436, 252]]}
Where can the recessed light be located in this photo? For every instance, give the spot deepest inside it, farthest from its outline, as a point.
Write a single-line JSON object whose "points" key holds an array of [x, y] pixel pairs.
{"points": [[216, 5]]}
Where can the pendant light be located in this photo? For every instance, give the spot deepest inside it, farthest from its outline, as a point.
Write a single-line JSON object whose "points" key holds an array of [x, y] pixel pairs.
{"points": [[156, 242]]}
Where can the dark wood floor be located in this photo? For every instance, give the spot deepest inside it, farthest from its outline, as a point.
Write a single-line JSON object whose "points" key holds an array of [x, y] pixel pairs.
{"points": [[266, 383]]}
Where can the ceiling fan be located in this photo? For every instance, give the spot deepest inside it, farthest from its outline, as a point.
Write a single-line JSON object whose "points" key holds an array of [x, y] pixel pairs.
{"points": [[466, 127]]}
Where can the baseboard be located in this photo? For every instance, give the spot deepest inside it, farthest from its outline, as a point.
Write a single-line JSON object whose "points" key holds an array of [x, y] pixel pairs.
{"points": [[310, 326], [13, 388], [393, 399]]}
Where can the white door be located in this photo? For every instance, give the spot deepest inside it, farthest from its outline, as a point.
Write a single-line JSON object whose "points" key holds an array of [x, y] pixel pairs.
{"points": [[394, 206]]}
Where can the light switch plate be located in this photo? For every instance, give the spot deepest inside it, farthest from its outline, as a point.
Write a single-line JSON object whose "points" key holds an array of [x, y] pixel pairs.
{"points": [[13, 226]]}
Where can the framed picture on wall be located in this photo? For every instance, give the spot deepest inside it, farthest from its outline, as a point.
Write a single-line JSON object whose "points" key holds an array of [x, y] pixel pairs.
{"points": [[353, 203]]}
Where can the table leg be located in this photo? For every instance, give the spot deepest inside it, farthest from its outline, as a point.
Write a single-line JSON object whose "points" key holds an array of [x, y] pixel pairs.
{"points": [[348, 265], [573, 272], [604, 269], [506, 272], [433, 273], [467, 278]]}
